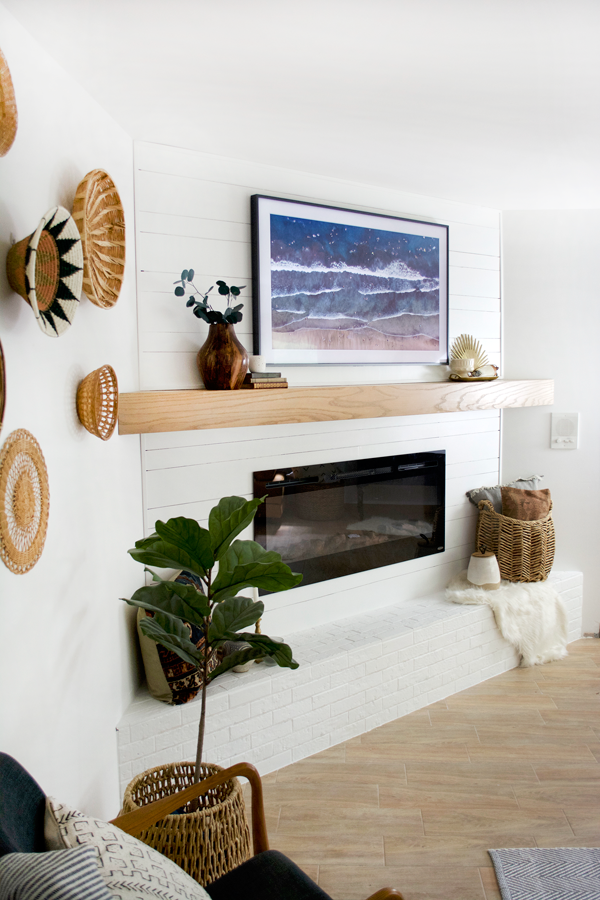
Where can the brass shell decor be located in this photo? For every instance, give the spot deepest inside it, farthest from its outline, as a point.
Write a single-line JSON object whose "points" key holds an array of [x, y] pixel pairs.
{"points": [[24, 501], [466, 347], [98, 402], [8, 108], [46, 269], [98, 212]]}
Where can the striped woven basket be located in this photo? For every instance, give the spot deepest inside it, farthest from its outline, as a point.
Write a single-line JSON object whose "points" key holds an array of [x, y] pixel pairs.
{"points": [[525, 550], [206, 843]]}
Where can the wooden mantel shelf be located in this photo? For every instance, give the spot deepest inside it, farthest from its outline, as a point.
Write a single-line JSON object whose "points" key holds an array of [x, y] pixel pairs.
{"points": [[151, 412]]}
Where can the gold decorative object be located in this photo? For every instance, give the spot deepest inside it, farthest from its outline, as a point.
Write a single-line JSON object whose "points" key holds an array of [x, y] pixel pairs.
{"points": [[98, 402], [466, 347], [24, 501], [8, 108], [46, 269], [98, 212]]}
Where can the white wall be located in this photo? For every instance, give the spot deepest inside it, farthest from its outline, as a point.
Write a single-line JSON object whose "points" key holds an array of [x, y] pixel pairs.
{"points": [[67, 670], [193, 209], [551, 310]]}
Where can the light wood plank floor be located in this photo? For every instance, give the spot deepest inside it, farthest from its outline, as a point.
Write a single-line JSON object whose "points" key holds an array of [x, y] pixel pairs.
{"points": [[415, 804]]}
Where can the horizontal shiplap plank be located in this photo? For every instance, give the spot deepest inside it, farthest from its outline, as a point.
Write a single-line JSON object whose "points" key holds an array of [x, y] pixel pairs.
{"points": [[477, 304], [474, 261]]}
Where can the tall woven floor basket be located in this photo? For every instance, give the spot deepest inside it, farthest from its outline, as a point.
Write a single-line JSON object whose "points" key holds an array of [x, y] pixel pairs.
{"points": [[525, 550], [206, 843]]}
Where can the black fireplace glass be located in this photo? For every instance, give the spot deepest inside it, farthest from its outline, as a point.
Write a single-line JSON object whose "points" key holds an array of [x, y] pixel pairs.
{"points": [[334, 519]]}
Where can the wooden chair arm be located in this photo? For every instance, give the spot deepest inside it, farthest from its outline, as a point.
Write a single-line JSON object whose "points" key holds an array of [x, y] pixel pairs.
{"points": [[140, 819], [386, 894]]}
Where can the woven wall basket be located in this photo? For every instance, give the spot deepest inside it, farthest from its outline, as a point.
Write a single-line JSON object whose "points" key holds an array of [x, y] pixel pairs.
{"points": [[24, 501], [98, 402], [525, 550], [207, 843], [46, 269], [98, 212], [8, 108]]}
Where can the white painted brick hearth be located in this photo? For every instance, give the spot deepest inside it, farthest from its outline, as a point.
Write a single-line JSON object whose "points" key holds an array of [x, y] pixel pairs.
{"points": [[354, 675]]}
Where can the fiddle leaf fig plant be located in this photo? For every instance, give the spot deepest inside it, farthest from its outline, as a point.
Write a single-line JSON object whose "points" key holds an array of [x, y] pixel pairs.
{"points": [[217, 609], [202, 308]]}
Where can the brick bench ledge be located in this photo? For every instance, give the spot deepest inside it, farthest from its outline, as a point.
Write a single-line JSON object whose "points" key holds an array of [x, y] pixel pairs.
{"points": [[354, 675]]}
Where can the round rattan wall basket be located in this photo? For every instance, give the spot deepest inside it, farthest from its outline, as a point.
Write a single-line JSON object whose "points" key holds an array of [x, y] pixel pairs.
{"points": [[8, 108], [98, 402], [24, 501], [206, 843], [98, 212], [46, 269]]}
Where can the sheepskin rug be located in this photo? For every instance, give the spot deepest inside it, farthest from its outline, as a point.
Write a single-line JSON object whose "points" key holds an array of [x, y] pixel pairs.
{"points": [[531, 617]]}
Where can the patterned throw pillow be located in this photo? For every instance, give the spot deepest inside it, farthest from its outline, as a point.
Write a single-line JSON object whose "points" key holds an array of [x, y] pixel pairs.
{"points": [[65, 875], [528, 506], [494, 494], [130, 869], [169, 677]]}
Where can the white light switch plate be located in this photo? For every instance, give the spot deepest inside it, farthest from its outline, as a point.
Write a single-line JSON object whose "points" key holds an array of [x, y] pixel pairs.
{"points": [[565, 431]]}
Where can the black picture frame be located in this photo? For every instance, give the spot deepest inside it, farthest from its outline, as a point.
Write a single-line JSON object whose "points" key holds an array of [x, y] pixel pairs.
{"points": [[346, 287]]}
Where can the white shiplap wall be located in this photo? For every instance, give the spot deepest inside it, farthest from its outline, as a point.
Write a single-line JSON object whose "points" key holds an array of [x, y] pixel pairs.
{"points": [[193, 209]]}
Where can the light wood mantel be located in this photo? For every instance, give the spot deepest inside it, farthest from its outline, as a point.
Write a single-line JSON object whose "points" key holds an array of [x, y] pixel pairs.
{"points": [[151, 412]]}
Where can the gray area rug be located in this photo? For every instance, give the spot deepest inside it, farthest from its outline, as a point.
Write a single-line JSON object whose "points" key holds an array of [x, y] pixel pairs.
{"points": [[564, 873]]}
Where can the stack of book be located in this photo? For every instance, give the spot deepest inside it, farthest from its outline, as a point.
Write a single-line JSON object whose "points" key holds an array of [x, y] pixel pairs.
{"points": [[254, 380]]}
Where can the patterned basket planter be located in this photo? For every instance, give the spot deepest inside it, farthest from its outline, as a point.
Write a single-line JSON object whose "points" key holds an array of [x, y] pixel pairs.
{"points": [[207, 842]]}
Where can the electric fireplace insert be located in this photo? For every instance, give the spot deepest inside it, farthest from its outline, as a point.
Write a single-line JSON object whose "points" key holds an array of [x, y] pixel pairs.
{"points": [[334, 519]]}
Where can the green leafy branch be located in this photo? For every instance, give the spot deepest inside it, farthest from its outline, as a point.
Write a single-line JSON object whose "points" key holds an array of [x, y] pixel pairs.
{"points": [[202, 308]]}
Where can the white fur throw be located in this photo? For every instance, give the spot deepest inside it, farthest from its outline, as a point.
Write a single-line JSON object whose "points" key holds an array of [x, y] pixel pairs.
{"points": [[529, 616]]}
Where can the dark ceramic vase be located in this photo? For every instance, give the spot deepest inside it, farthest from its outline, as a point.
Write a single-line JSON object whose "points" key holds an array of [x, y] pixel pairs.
{"points": [[222, 361]]}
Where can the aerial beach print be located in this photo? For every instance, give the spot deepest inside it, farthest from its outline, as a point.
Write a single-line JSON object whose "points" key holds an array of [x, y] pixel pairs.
{"points": [[343, 288]]}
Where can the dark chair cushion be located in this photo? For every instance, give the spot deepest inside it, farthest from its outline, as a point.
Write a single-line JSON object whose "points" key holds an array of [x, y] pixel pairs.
{"points": [[22, 805], [268, 876]]}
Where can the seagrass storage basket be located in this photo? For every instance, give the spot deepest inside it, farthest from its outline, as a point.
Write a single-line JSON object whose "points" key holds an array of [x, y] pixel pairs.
{"points": [[525, 550], [206, 843]]}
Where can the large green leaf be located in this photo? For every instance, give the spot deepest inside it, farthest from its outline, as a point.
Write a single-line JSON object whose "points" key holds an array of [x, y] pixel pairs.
{"points": [[247, 564], [189, 538], [277, 650], [167, 598], [236, 659], [230, 516], [166, 556], [172, 634], [231, 615]]}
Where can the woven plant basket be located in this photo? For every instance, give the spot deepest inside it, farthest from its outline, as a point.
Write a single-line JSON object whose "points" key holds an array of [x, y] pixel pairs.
{"points": [[98, 402], [525, 550], [206, 843]]}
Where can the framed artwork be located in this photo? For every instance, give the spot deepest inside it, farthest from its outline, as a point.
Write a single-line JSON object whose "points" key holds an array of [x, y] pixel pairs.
{"points": [[341, 286]]}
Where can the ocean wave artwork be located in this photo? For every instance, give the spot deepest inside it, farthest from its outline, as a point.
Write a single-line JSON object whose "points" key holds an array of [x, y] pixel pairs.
{"points": [[349, 287]]}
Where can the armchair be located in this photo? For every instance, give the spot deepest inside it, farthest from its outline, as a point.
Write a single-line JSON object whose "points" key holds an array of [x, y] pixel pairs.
{"points": [[268, 875]]}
